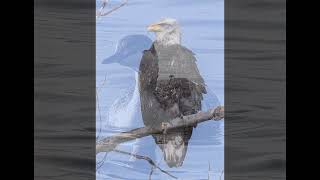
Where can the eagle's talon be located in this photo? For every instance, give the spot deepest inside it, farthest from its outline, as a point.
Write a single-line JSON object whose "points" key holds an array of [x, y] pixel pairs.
{"points": [[164, 126], [195, 125]]}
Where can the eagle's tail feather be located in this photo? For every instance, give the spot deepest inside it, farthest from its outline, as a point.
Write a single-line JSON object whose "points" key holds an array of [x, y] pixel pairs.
{"points": [[174, 146]]}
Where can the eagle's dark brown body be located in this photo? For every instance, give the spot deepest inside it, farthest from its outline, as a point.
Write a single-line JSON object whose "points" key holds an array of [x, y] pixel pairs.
{"points": [[170, 87]]}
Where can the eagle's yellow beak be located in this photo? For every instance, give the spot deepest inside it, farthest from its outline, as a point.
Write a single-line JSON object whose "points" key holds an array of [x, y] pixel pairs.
{"points": [[154, 27]]}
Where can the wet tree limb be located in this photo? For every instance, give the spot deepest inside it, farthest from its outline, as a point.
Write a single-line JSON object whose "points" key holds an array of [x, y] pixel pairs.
{"points": [[110, 143]]}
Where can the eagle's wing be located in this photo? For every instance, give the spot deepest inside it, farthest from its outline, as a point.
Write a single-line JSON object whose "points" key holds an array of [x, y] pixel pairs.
{"points": [[151, 110], [179, 62], [148, 70], [193, 71]]}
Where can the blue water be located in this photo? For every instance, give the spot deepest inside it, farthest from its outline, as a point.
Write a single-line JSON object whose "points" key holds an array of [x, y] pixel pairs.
{"points": [[202, 24]]}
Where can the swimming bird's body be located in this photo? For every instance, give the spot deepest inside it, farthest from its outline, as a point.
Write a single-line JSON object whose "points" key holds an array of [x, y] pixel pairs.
{"points": [[170, 86], [124, 113], [125, 110]]}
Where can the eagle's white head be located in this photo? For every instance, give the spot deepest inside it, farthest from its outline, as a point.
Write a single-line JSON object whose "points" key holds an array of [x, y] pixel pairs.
{"points": [[167, 31]]}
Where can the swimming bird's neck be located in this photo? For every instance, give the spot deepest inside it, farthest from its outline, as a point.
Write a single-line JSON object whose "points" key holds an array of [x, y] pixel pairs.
{"points": [[168, 38]]}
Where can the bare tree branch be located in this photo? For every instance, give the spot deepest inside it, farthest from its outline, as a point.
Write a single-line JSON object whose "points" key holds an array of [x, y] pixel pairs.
{"points": [[151, 172], [149, 160], [104, 4], [221, 174], [110, 143], [209, 169]]}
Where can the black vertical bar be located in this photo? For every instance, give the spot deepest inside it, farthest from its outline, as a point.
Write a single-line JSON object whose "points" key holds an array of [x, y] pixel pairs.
{"points": [[255, 89], [64, 89]]}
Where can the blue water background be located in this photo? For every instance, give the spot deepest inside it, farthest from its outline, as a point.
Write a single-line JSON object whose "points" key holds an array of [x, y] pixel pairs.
{"points": [[202, 24]]}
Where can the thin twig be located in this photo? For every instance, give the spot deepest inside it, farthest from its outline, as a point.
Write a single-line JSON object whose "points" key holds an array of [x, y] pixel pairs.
{"points": [[209, 169], [149, 160], [150, 175], [100, 117], [221, 174], [100, 164], [98, 89], [99, 13], [102, 84], [103, 5]]}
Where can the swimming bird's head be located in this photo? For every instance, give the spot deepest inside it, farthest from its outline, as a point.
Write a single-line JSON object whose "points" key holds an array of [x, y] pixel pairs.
{"points": [[129, 51], [167, 31]]}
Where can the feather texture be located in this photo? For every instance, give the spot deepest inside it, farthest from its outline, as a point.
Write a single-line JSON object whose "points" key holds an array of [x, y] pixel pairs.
{"points": [[170, 86]]}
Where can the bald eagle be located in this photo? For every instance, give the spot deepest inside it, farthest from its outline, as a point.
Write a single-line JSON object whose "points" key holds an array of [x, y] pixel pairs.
{"points": [[170, 86]]}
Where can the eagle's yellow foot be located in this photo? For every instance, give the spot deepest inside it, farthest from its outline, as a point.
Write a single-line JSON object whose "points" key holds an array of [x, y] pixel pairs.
{"points": [[164, 126], [195, 125]]}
